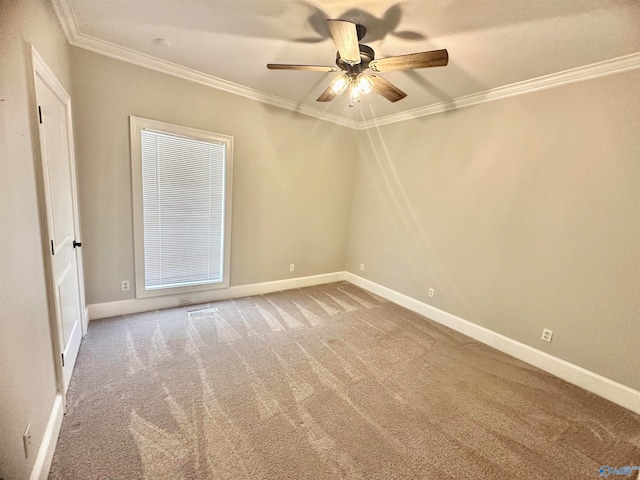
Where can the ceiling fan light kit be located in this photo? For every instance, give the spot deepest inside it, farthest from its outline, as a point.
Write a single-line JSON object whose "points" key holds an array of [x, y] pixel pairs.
{"points": [[358, 86], [355, 94], [340, 83], [357, 60], [364, 82]]}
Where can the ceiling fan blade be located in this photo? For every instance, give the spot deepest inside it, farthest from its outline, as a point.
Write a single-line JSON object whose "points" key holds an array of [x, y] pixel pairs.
{"points": [[386, 89], [345, 36], [327, 95], [435, 58], [313, 68]]}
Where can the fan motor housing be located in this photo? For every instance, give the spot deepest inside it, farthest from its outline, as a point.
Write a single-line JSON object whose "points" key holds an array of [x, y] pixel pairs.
{"points": [[366, 56]]}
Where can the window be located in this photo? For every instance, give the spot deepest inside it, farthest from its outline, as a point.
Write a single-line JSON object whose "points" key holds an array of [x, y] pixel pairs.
{"points": [[181, 207]]}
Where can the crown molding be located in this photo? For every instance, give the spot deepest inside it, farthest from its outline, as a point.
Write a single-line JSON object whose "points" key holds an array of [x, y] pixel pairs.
{"points": [[70, 27], [595, 70], [76, 38], [147, 61], [67, 18]]}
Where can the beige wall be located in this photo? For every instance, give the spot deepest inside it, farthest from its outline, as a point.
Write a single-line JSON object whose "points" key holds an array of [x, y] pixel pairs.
{"points": [[27, 375], [522, 213], [292, 186]]}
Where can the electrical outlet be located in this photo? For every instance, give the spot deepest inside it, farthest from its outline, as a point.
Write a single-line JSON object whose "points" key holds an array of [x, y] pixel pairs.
{"points": [[184, 300], [546, 335], [292, 267], [362, 267], [432, 292], [26, 440], [125, 286]]}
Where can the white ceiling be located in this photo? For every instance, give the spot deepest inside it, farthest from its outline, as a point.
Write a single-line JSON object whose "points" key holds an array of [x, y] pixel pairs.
{"points": [[227, 43]]}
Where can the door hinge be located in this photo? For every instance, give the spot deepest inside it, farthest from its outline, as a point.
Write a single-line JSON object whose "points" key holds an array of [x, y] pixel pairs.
{"points": [[39, 113], [62, 355], [53, 250]]}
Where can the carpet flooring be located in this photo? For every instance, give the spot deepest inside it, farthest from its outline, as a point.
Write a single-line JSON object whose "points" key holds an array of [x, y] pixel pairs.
{"points": [[323, 382]]}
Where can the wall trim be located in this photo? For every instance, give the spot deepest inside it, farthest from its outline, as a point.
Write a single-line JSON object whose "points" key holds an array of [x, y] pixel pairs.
{"points": [[137, 305], [43, 461], [587, 72], [613, 391], [85, 321], [69, 24]]}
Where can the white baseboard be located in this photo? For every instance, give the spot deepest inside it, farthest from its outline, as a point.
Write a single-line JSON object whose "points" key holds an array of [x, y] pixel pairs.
{"points": [[590, 381], [85, 321], [43, 461], [615, 392], [137, 305]]}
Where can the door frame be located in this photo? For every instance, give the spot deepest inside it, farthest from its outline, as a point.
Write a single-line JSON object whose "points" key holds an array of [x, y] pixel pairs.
{"points": [[44, 73]]}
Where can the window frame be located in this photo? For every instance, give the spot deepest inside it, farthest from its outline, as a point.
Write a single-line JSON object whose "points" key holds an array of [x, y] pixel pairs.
{"points": [[137, 125]]}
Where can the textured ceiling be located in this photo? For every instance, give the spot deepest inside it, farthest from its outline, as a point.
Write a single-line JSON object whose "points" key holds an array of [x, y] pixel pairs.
{"points": [[491, 43]]}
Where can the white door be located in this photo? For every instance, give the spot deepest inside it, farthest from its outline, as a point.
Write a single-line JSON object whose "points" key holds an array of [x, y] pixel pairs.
{"points": [[60, 196]]}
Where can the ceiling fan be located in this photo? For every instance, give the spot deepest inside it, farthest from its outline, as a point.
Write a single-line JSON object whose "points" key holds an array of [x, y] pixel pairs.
{"points": [[360, 67]]}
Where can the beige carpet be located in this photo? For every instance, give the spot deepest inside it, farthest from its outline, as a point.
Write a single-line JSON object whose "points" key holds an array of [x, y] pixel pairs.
{"points": [[320, 383]]}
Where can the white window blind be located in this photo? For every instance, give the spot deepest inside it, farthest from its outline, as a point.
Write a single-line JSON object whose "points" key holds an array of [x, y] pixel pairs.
{"points": [[183, 199]]}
